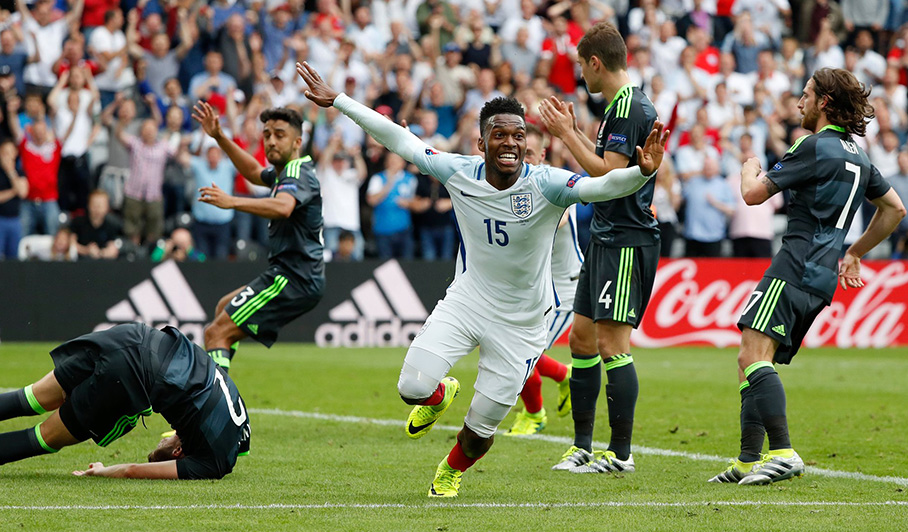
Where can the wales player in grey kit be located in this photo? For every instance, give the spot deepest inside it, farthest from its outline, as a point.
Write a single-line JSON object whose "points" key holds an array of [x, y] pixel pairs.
{"points": [[105, 381], [828, 176]]}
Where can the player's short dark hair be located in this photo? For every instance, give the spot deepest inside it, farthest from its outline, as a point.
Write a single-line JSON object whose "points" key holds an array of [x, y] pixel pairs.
{"points": [[291, 116], [110, 14], [848, 105], [605, 42], [499, 106]]}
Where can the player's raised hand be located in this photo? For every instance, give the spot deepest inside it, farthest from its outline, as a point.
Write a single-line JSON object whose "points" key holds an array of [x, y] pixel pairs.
{"points": [[752, 165], [650, 156], [214, 195], [208, 118], [319, 91], [556, 117], [850, 272]]}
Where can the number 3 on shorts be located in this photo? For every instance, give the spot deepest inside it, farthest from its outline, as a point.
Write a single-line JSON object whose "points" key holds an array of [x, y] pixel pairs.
{"points": [[241, 297]]}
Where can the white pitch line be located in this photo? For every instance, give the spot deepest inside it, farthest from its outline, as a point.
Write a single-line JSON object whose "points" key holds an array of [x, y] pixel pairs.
{"points": [[354, 506], [901, 481]]}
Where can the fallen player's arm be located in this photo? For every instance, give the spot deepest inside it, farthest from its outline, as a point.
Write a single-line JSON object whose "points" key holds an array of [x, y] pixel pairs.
{"points": [[153, 470]]}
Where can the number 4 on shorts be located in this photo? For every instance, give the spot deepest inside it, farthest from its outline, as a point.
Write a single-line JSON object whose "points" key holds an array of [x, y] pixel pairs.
{"points": [[604, 297]]}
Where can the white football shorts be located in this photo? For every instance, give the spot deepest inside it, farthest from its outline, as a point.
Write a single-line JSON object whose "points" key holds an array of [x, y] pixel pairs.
{"points": [[507, 354]]}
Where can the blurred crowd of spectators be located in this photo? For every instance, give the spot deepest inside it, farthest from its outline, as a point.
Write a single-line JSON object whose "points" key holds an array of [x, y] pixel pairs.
{"points": [[101, 159]]}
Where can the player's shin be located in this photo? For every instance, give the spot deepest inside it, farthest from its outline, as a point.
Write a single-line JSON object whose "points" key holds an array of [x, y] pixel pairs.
{"points": [[19, 403], [769, 398], [752, 431], [621, 391], [586, 380], [21, 444], [551, 368], [532, 393]]}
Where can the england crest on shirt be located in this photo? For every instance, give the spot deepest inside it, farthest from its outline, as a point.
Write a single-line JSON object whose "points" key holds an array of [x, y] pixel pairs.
{"points": [[522, 204]]}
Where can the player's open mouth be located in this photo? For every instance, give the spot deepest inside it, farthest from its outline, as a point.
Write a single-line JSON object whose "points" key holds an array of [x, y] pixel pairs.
{"points": [[507, 159]]}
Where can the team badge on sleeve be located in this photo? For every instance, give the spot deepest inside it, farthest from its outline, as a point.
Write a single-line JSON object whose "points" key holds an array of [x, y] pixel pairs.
{"points": [[522, 205]]}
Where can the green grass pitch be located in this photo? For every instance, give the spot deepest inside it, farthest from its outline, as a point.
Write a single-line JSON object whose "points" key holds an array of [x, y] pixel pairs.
{"points": [[329, 453]]}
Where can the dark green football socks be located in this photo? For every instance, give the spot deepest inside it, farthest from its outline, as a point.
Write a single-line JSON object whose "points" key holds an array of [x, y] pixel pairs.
{"points": [[621, 391], [752, 431], [586, 380], [19, 403], [769, 398]]}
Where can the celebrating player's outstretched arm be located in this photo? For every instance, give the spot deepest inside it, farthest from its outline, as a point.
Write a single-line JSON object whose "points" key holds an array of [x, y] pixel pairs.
{"points": [[619, 182]]}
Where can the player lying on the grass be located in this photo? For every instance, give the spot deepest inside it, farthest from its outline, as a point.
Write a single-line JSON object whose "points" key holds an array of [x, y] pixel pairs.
{"points": [[103, 382], [566, 261], [501, 298], [295, 279], [829, 176]]}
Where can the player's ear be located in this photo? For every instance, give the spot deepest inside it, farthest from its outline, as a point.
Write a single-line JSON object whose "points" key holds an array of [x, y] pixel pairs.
{"points": [[178, 452], [481, 144]]}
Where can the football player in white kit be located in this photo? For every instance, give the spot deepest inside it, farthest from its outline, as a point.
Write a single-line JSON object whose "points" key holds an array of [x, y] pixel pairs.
{"points": [[502, 295], [566, 262]]}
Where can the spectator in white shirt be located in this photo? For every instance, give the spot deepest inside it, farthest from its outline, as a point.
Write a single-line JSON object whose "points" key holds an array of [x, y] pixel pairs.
{"points": [[108, 47], [47, 36]]}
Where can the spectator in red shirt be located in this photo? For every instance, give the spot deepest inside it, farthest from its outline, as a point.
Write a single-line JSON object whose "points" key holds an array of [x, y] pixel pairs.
{"points": [[39, 152], [93, 13], [559, 56], [74, 54]]}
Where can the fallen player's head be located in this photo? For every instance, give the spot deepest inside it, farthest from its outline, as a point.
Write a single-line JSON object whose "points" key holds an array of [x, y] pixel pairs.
{"points": [[282, 134], [502, 127], [169, 448]]}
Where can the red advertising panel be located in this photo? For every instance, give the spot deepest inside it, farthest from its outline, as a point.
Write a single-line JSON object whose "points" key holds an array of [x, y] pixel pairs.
{"points": [[698, 301]]}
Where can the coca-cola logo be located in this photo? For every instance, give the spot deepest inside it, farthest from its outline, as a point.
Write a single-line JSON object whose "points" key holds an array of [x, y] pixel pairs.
{"points": [[699, 302]]}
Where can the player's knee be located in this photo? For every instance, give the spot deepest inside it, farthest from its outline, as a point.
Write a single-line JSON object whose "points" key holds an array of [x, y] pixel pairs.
{"points": [[420, 375], [581, 342], [414, 390]]}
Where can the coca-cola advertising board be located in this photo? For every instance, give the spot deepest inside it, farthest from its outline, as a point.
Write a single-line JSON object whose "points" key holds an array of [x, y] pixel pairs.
{"points": [[699, 301]]}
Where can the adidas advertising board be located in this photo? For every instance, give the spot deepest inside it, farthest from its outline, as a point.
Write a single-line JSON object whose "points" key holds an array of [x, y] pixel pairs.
{"points": [[694, 301], [384, 311], [163, 299], [366, 304]]}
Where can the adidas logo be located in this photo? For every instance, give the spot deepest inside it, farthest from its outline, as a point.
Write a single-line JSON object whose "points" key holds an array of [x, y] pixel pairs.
{"points": [[779, 329], [253, 327], [384, 311], [165, 299], [632, 313]]}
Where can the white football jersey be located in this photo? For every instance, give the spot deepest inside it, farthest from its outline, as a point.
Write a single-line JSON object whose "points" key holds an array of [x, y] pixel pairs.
{"points": [[566, 261], [505, 259]]}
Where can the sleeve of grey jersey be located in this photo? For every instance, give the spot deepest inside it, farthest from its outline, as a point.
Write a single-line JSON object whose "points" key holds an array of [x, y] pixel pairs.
{"points": [[390, 135], [617, 183]]}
